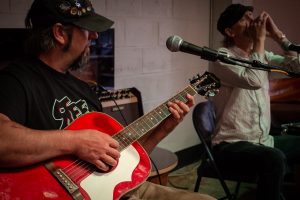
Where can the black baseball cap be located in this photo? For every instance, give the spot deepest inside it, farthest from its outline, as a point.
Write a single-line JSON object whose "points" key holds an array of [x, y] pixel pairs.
{"points": [[231, 15], [80, 13]]}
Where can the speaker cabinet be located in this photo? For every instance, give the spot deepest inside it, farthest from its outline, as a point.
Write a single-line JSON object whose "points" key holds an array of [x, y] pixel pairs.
{"points": [[124, 105]]}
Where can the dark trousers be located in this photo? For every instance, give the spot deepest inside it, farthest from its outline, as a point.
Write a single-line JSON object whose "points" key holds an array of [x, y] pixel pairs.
{"points": [[270, 164]]}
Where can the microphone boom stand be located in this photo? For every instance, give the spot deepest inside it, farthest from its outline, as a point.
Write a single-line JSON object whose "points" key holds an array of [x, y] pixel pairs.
{"points": [[213, 55]]}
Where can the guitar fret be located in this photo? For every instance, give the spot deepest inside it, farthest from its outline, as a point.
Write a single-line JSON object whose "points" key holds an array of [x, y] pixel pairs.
{"points": [[191, 91], [136, 126], [161, 112], [128, 136], [146, 127], [153, 119], [144, 124], [141, 123], [135, 131], [165, 110], [156, 114], [182, 96], [149, 121], [124, 138], [120, 138], [116, 137], [122, 146], [127, 133]]}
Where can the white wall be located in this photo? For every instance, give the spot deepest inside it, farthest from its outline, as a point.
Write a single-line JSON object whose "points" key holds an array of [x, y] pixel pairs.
{"points": [[141, 57], [143, 61], [286, 15]]}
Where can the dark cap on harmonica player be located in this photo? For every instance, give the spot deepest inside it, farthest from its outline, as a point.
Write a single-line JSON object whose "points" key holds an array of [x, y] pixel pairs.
{"points": [[231, 15]]}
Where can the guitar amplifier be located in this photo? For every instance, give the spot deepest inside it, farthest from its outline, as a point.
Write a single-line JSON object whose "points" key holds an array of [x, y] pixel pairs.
{"points": [[126, 102]]}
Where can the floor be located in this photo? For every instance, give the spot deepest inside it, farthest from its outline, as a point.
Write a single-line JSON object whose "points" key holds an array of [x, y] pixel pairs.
{"points": [[185, 178]]}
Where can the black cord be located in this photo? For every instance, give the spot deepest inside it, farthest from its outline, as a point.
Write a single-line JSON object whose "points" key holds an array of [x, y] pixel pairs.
{"points": [[156, 169], [113, 98]]}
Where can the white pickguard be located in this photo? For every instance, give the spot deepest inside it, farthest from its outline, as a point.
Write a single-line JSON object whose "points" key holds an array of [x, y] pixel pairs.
{"points": [[101, 185]]}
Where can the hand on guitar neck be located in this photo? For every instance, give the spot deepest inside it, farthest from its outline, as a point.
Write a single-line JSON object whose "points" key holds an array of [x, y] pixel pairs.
{"points": [[178, 109]]}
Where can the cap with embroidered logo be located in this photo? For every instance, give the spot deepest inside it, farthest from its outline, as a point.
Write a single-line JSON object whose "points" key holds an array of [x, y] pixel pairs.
{"points": [[80, 13]]}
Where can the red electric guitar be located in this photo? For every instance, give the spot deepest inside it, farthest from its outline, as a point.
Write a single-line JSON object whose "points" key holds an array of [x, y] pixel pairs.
{"points": [[69, 178]]}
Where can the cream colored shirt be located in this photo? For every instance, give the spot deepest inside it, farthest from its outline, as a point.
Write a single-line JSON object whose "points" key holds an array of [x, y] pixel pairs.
{"points": [[243, 103]]}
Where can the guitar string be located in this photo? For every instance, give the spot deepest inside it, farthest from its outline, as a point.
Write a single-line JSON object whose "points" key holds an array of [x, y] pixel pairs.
{"points": [[76, 168], [78, 172], [122, 139], [129, 129], [88, 166]]}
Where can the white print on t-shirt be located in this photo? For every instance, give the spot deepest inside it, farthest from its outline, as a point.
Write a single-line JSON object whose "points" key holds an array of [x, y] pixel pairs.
{"points": [[66, 111]]}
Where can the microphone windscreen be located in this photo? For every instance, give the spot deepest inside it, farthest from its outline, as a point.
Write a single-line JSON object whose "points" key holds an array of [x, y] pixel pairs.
{"points": [[173, 43]]}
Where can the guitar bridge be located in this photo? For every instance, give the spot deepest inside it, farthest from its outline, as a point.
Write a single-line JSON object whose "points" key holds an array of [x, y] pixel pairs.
{"points": [[65, 180]]}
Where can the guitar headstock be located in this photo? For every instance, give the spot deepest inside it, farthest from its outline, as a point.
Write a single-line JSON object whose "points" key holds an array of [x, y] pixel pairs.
{"points": [[206, 85]]}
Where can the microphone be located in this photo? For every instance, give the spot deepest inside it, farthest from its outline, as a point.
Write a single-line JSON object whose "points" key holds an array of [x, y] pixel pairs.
{"points": [[175, 43], [288, 46]]}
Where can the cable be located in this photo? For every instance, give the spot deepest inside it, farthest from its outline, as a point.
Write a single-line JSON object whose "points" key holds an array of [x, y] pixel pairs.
{"points": [[280, 71], [113, 98], [156, 169]]}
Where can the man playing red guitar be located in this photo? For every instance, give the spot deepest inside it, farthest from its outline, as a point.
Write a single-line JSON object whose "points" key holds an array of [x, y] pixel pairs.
{"points": [[40, 102]]}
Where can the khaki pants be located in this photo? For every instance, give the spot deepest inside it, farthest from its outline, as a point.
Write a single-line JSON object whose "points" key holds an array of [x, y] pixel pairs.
{"points": [[149, 191]]}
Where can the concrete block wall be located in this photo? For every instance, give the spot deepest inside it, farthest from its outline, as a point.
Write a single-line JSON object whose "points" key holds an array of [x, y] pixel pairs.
{"points": [[141, 57], [143, 61]]}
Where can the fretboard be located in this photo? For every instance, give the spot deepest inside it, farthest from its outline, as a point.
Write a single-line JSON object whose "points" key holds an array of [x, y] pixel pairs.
{"points": [[144, 124]]}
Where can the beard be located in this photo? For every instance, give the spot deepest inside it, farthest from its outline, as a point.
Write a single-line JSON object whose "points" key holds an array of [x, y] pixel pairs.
{"points": [[82, 60]]}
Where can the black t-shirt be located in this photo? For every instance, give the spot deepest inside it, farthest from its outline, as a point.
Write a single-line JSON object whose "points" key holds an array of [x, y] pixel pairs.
{"points": [[37, 96]]}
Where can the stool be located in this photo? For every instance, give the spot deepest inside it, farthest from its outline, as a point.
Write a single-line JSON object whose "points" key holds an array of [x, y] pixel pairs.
{"points": [[165, 161]]}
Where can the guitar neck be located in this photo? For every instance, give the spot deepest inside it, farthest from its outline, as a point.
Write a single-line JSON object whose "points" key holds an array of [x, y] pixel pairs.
{"points": [[144, 124]]}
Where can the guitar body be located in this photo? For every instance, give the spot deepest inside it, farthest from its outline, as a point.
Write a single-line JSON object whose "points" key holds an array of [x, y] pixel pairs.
{"points": [[37, 182], [67, 178]]}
